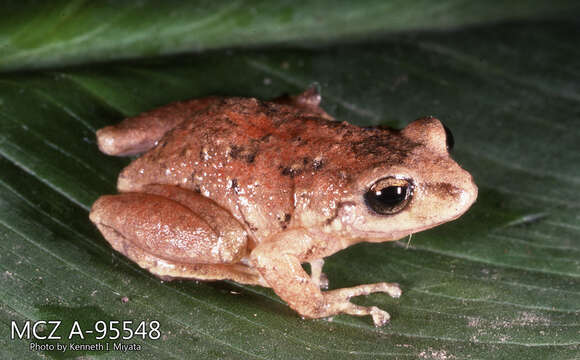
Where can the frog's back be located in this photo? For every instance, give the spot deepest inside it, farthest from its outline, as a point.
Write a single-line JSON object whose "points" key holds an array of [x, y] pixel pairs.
{"points": [[240, 153]]}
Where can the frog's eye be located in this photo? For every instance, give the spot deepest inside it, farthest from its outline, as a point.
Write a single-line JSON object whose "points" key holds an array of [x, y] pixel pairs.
{"points": [[389, 195], [448, 138]]}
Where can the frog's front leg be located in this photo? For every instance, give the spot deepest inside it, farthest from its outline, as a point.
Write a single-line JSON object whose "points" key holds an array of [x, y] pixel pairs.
{"points": [[316, 274], [279, 264], [175, 233]]}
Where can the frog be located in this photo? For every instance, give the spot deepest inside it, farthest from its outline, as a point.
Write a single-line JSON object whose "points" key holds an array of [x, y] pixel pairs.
{"points": [[250, 191]]}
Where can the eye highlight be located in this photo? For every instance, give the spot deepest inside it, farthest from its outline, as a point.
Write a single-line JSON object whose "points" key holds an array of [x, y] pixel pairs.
{"points": [[389, 195]]}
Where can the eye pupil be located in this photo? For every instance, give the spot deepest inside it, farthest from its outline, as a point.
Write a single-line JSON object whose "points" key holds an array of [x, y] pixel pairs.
{"points": [[388, 195], [391, 195]]}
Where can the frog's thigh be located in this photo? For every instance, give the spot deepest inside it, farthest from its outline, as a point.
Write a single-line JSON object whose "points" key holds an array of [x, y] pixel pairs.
{"points": [[171, 227], [206, 272], [138, 134]]}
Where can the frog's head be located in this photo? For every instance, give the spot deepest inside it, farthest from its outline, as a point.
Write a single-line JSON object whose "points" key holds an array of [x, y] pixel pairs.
{"points": [[416, 189]]}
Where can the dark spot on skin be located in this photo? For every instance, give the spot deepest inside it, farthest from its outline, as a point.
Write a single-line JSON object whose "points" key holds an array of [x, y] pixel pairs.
{"points": [[285, 220], [286, 171], [317, 164], [202, 155], [197, 189], [299, 141], [243, 153], [291, 171], [235, 185], [266, 138], [295, 169], [235, 151], [229, 121]]}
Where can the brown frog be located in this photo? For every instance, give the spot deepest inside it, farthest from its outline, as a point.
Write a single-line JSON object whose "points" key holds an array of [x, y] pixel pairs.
{"points": [[248, 190]]}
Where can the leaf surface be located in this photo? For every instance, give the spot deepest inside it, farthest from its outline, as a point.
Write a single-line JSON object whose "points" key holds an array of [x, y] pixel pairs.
{"points": [[503, 281], [36, 34]]}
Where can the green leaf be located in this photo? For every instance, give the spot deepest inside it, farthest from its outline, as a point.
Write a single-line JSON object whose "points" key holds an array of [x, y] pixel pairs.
{"points": [[37, 34], [503, 281]]}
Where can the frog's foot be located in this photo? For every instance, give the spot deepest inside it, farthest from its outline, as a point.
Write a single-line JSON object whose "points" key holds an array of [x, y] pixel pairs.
{"points": [[308, 100], [338, 301]]}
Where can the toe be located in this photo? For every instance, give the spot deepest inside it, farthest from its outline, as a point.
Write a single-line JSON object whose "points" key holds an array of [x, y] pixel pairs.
{"points": [[380, 317]]}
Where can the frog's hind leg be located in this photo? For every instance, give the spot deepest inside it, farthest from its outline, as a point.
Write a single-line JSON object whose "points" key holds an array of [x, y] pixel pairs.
{"points": [[175, 233], [138, 134], [167, 270], [309, 100]]}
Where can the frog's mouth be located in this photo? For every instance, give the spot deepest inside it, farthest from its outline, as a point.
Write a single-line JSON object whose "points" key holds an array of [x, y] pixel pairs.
{"points": [[379, 236]]}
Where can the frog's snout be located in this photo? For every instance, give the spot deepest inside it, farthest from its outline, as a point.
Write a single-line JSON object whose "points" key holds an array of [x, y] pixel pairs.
{"points": [[465, 194], [468, 195]]}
